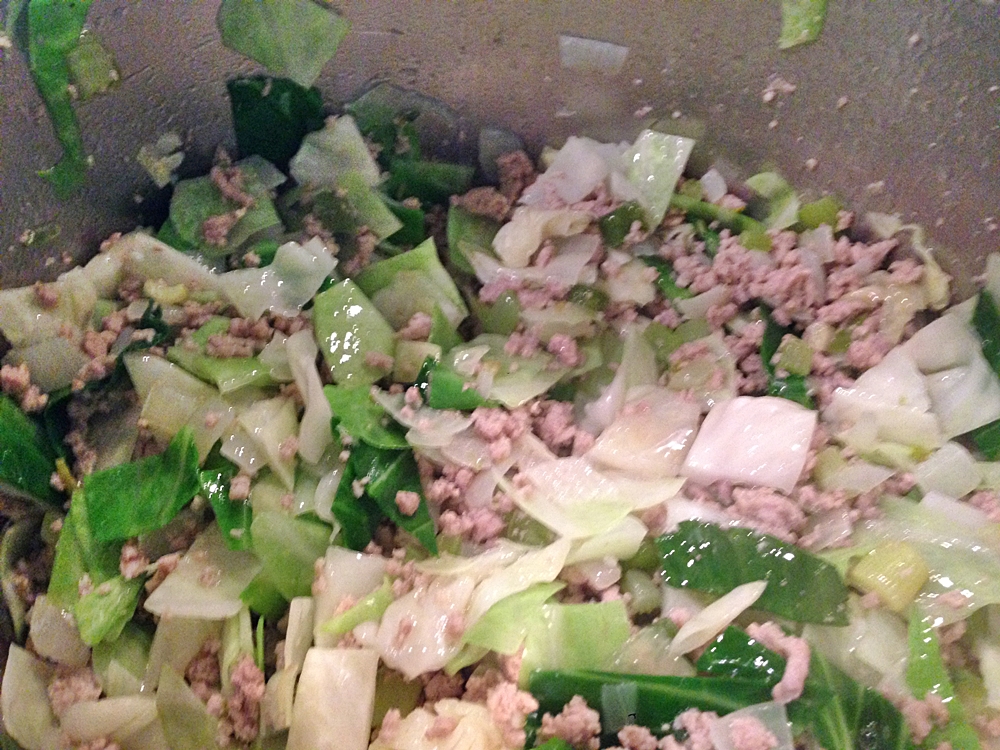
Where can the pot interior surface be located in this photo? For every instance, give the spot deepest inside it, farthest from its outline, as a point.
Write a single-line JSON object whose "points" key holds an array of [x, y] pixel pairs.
{"points": [[895, 107]]}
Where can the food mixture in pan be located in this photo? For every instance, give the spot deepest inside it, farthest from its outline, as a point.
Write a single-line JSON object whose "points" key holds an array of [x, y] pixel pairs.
{"points": [[363, 449]]}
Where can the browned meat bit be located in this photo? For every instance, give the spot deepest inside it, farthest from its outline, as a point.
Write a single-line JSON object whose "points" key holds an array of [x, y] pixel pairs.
{"points": [[484, 201], [231, 183], [366, 243], [15, 381], [203, 672], [46, 295], [133, 562], [578, 724], [244, 704], [72, 686], [517, 171], [216, 229], [417, 328]]}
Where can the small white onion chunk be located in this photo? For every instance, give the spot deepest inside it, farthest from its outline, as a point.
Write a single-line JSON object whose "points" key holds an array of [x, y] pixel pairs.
{"points": [[755, 440]]}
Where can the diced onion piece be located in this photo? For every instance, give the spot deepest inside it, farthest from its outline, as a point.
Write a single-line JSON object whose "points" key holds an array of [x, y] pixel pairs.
{"points": [[713, 185], [116, 718], [697, 307], [763, 441], [728, 734], [269, 424], [715, 618], [315, 433]]}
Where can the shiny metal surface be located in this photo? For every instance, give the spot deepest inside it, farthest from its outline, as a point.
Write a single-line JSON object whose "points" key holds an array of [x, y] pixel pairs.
{"points": [[916, 130]]}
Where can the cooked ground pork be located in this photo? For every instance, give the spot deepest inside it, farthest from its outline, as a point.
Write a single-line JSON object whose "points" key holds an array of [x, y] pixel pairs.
{"points": [[71, 686], [577, 724]]}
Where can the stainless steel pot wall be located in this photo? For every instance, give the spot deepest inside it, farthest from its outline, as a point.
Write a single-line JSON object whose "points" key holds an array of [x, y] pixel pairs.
{"points": [[897, 103]]}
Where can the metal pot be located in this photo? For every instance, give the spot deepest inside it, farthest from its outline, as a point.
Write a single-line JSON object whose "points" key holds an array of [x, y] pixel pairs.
{"points": [[895, 108]]}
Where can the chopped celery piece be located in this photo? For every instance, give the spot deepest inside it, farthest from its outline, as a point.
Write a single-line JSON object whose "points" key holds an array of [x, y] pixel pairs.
{"points": [[588, 297], [271, 116], [795, 356], [468, 233], [430, 181], [370, 210], [894, 570], [616, 225], [823, 211], [726, 217], [756, 239], [666, 340], [134, 498], [646, 596], [665, 280], [293, 38], [370, 608], [801, 21], [26, 464], [54, 29], [348, 330]]}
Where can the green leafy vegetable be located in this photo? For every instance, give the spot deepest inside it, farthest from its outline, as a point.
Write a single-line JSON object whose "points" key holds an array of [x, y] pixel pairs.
{"points": [[468, 233], [616, 225], [271, 116], [430, 181], [926, 673], [78, 552], [348, 327], [791, 386], [733, 654], [666, 279], [780, 201], [412, 231], [102, 614], [288, 546], [141, 496], [362, 418], [986, 320], [987, 440], [233, 516], [54, 28], [384, 473], [26, 463], [801, 586], [658, 700], [358, 516], [823, 211], [801, 21], [292, 39]]}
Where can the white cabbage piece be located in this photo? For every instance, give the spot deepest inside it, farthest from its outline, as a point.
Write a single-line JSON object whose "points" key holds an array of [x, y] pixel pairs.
{"points": [[115, 718], [269, 424], [528, 227], [315, 432], [715, 618], [474, 729], [55, 636], [654, 164], [579, 168], [619, 543], [650, 436], [965, 397], [24, 701], [175, 643], [755, 440], [284, 286], [950, 470], [279, 695], [414, 636], [344, 573], [637, 367], [892, 397], [571, 497], [207, 582], [942, 344], [633, 283], [334, 150], [54, 362], [566, 267]]}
